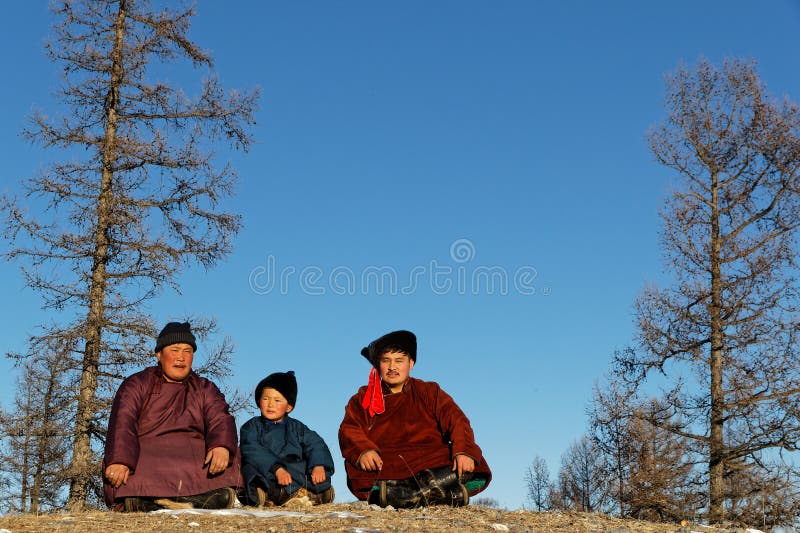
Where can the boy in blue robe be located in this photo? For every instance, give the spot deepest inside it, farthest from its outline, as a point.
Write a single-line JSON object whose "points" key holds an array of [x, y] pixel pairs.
{"points": [[281, 457]]}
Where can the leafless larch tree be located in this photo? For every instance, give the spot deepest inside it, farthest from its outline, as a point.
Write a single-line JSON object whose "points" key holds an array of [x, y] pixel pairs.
{"points": [[537, 481], [723, 335], [136, 197]]}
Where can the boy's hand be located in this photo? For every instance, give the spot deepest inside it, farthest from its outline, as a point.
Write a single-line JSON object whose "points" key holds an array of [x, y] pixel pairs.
{"points": [[217, 459], [370, 460], [283, 476], [463, 463], [318, 474]]}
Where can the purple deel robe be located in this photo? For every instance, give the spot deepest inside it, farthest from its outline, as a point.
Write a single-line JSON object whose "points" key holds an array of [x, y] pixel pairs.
{"points": [[162, 432]]}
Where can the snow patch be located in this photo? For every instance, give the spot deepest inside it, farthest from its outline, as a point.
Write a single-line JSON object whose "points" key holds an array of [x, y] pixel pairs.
{"points": [[261, 514]]}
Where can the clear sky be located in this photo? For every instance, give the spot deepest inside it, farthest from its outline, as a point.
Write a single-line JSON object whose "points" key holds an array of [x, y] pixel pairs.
{"points": [[431, 145]]}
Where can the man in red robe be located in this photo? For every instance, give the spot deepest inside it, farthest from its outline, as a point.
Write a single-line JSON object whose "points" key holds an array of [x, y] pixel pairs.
{"points": [[405, 441], [171, 441]]}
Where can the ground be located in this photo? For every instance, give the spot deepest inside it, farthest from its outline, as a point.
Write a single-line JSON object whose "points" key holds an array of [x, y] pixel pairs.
{"points": [[348, 518]]}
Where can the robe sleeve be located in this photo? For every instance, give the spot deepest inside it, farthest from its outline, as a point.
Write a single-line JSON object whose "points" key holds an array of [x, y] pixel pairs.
{"points": [[316, 452], [122, 439], [220, 424], [353, 439], [454, 423], [259, 457]]}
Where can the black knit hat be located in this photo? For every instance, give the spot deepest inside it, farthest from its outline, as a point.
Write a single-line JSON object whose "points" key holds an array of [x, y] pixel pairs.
{"points": [[283, 382], [176, 332], [402, 340]]}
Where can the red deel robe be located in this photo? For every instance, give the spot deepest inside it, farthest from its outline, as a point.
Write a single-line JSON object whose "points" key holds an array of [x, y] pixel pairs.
{"points": [[162, 432], [422, 427]]}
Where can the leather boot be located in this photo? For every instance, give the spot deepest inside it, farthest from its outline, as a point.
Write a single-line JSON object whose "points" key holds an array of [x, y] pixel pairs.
{"points": [[138, 504], [261, 498], [222, 498], [326, 496], [395, 492], [442, 486], [456, 496], [436, 477], [403, 493], [277, 494]]}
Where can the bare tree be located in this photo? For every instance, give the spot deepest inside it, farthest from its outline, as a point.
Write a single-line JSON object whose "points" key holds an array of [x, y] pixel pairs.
{"points": [[537, 481], [15, 454], [725, 333], [609, 423], [136, 199], [559, 494], [660, 484], [651, 469], [35, 434], [766, 497], [582, 481]]}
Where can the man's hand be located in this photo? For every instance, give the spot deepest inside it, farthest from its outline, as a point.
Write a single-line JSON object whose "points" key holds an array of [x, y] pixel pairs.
{"points": [[117, 474], [463, 463], [318, 474], [283, 476], [217, 459], [370, 461]]}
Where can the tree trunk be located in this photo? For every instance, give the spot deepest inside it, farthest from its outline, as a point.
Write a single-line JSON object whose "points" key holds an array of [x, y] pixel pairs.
{"points": [[23, 503], [45, 434], [37, 475], [81, 469], [620, 470], [716, 464]]}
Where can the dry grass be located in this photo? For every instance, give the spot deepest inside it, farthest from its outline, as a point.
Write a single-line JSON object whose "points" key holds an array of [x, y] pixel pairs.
{"points": [[328, 518]]}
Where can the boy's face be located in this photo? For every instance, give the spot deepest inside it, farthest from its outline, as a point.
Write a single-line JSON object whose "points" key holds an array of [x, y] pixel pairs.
{"points": [[176, 361], [273, 405], [395, 368]]}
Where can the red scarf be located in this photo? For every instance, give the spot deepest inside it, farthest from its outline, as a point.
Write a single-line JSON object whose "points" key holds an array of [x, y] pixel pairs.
{"points": [[373, 398]]}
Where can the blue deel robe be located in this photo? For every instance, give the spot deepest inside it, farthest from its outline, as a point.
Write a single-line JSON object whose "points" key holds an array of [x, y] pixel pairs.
{"points": [[266, 445]]}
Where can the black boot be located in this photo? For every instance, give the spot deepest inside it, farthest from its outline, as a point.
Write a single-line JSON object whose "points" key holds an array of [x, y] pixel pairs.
{"points": [[221, 498], [277, 494], [403, 494], [442, 486], [438, 486], [398, 493], [433, 484], [456, 496], [139, 504], [436, 477]]}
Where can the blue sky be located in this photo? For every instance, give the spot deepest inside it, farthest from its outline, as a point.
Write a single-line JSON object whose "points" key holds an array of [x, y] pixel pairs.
{"points": [[435, 142]]}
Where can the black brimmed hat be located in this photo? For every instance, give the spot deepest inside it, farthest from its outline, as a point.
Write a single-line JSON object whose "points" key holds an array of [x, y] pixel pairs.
{"points": [[401, 340], [176, 332], [283, 382]]}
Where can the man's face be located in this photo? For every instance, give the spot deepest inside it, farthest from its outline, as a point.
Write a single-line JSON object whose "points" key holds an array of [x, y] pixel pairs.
{"points": [[395, 368], [176, 361], [273, 405]]}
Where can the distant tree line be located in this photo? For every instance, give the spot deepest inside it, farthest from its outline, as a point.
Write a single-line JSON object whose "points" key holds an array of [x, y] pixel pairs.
{"points": [[700, 416]]}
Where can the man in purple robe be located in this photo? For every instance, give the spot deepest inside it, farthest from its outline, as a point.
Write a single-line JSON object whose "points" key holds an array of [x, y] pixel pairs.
{"points": [[171, 441]]}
